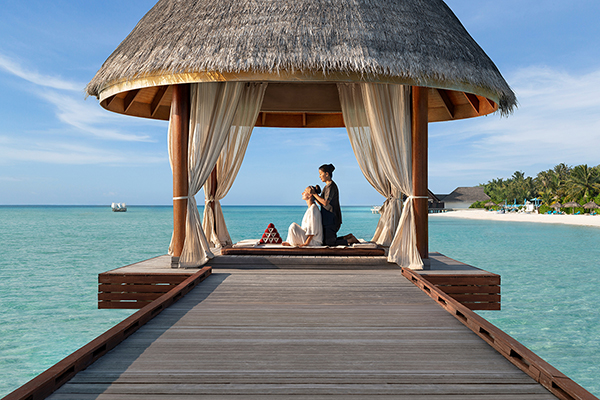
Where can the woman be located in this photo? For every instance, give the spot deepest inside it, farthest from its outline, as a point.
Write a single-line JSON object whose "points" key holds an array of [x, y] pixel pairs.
{"points": [[331, 213], [311, 231]]}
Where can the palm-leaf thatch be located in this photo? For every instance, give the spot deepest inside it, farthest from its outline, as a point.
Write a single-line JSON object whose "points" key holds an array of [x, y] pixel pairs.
{"points": [[417, 42], [556, 205], [572, 204], [591, 205]]}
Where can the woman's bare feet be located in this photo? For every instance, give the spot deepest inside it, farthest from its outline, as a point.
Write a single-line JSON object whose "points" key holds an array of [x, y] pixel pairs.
{"points": [[285, 244], [351, 239]]}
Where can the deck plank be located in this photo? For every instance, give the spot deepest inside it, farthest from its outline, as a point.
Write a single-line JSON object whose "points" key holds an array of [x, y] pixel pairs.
{"points": [[302, 333]]}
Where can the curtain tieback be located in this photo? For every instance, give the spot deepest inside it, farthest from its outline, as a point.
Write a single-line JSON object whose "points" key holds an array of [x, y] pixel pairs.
{"points": [[182, 198], [415, 197]]}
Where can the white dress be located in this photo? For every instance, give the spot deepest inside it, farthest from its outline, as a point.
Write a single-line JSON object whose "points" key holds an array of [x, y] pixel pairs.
{"points": [[311, 225]]}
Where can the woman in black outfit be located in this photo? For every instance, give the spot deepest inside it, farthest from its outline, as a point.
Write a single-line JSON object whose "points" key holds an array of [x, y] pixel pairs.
{"points": [[331, 213]]}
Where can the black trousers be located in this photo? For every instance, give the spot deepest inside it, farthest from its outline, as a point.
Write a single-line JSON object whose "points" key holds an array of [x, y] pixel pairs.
{"points": [[330, 230]]}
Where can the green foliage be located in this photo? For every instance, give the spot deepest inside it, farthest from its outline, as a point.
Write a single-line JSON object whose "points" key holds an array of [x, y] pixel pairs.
{"points": [[544, 209], [518, 187], [478, 204], [561, 183], [570, 210]]}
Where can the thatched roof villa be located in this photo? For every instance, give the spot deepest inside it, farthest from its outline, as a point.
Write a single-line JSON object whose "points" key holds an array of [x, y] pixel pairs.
{"points": [[383, 69], [462, 197]]}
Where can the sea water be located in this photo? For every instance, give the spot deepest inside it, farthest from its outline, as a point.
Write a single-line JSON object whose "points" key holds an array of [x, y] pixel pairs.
{"points": [[50, 258]]}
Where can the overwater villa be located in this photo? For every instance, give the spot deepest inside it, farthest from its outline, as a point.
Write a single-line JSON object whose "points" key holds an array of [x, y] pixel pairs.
{"points": [[309, 323]]}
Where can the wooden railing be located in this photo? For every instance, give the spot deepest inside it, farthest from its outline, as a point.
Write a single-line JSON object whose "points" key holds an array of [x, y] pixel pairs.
{"points": [[542, 372], [135, 290], [475, 291], [50, 380]]}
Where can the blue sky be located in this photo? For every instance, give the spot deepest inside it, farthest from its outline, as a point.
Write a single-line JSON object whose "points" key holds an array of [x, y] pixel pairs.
{"points": [[56, 147]]}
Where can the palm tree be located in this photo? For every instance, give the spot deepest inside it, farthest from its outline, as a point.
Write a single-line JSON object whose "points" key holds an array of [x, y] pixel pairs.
{"points": [[583, 183]]}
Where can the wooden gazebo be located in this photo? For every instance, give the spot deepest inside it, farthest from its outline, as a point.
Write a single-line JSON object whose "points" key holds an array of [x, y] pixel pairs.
{"points": [[303, 49]]}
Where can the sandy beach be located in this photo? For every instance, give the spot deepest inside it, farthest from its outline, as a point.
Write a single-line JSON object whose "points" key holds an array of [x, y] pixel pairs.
{"points": [[582, 220]]}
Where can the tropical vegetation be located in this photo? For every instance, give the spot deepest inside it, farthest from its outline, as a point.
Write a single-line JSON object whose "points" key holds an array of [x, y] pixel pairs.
{"points": [[560, 184]]}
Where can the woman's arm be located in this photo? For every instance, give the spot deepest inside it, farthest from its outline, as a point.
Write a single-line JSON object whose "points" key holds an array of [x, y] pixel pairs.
{"points": [[321, 200], [307, 242]]}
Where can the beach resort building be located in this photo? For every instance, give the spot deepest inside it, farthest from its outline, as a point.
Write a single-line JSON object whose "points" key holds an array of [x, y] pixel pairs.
{"points": [[463, 197]]}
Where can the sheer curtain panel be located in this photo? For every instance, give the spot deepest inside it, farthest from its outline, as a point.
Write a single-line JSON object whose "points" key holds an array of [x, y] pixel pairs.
{"points": [[388, 110], [212, 111], [229, 163], [357, 125]]}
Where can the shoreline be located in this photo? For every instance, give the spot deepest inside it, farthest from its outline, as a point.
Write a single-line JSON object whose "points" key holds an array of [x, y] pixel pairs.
{"points": [[579, 220]]}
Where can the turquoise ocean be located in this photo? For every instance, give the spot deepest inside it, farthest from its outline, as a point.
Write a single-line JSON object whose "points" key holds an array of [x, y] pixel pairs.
{"points": [[50, 258]]}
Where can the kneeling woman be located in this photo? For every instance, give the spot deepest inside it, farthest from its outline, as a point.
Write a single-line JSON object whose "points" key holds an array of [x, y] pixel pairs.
{"points": [[311, 231]]}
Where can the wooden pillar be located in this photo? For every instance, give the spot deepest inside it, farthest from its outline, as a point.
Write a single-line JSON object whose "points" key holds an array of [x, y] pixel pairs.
{"points": [[213, 192], [420, 111], [180, 126]]}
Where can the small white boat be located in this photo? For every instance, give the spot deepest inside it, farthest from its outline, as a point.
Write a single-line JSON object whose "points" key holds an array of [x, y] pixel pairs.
{"points": [[375, 209], [119, 207]]}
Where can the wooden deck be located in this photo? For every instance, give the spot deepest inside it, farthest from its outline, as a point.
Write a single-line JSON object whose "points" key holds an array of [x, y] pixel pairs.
{"points": [[136, 285], [313, 329], [303, 333]]}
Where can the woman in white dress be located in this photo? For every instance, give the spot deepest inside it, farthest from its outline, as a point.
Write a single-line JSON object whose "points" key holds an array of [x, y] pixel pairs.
{"points": [[311, 231]]}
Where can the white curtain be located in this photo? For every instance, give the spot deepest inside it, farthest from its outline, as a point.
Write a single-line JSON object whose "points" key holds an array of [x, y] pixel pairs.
{"points": [[212, 109], [388, 112], [359, 133], [229, 163]]}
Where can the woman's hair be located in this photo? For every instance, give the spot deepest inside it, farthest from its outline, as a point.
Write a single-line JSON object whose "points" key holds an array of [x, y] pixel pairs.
{"points": [[327, 168], [316, 188]]}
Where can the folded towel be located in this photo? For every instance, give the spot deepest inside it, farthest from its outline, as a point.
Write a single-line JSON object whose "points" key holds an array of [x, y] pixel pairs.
{"points": [[365, 245], [247, 243]]}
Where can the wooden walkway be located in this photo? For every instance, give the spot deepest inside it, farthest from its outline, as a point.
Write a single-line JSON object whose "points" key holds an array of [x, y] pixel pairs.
{"points": [[304, 334]]}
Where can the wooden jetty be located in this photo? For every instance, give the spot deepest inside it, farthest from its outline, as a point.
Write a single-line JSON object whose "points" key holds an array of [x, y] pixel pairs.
{"points": [[311, 328], [136, 285]]}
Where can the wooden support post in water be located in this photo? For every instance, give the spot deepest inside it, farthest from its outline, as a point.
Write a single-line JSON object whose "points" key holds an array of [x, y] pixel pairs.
{"points": [[419, 168], [180, 130]]}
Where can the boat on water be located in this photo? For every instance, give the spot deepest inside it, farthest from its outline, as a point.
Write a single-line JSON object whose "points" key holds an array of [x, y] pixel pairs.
{"points": [[376, 209], [118, 207]]}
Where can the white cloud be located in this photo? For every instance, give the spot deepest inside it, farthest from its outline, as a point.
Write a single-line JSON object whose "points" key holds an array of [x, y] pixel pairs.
{"points": [[15, 68], [71, 108], [558, 120], [88, 117], [70, 154]]}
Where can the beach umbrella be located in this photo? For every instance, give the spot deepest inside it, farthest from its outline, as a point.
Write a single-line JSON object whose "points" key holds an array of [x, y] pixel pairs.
{"points": [[490, 204], [556, 205], [572, 204], [591, 205]]}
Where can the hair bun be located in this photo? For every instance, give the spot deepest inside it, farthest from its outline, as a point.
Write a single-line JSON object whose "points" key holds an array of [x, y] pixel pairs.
{"points": [[328, 168], [317, 189]]}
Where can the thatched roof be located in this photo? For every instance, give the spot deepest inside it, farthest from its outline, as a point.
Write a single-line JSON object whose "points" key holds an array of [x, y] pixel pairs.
{"points": [[418, 42], [467, 195]]}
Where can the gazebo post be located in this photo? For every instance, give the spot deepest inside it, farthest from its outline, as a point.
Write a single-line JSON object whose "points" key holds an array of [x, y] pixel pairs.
{"points": [[180, 131], [420, 109]]}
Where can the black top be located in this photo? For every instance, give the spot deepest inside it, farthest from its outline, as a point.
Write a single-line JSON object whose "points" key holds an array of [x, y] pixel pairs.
{"points": [[332, 194]]}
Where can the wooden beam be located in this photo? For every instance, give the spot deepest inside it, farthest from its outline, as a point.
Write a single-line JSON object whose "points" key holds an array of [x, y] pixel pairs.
{"points": [[129, 99], [303, 119], [110, 100], [158, 97], [448, 105], [420, 109], [180, 131], [473, 101]]}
